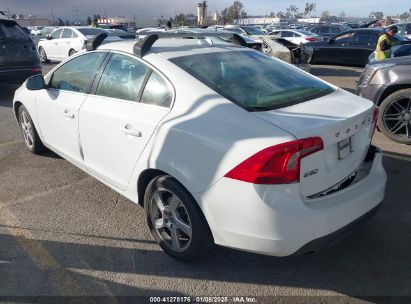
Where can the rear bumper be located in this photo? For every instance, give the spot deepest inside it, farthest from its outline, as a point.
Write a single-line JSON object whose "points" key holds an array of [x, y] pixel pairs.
{"points": [[17, 76], [335, 237], [277, 220]]}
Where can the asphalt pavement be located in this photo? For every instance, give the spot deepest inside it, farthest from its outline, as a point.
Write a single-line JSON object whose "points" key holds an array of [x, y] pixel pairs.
{"points": [[63, 233]]}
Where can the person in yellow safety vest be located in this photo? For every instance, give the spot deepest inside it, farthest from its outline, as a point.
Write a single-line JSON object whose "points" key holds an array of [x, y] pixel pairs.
{"points": [[385, 43]]}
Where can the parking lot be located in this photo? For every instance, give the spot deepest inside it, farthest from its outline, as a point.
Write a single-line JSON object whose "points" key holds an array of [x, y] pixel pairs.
{"points": [[64, 233]]}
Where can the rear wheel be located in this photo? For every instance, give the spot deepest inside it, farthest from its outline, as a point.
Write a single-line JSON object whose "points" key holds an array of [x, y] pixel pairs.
{"points": [[29, 132], [395, 116], [43, 56], [71, 52], [175, 219]]}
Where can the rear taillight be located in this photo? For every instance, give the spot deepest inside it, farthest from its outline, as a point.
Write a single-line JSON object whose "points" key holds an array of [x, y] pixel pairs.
{"points": [[278, 164], [310, 39], [36, 69], [374, 121]]}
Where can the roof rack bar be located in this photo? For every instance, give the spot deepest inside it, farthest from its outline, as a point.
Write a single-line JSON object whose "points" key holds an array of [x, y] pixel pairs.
{"points": [[143, 45], [94, 43]]}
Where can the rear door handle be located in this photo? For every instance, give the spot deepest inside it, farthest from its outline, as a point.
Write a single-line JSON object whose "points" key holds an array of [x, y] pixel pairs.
{"points": [[129, 130]]}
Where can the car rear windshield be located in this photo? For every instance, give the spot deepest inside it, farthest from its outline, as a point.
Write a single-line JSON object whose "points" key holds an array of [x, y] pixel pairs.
{"points": [[252, 80], [11, 31]]}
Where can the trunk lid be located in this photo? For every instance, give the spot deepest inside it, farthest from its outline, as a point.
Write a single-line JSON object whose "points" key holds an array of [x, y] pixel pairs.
{"points": [[344, 122]]}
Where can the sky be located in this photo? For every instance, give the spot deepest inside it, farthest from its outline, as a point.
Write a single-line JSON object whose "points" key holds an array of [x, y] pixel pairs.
{"points": [[68, 9]]}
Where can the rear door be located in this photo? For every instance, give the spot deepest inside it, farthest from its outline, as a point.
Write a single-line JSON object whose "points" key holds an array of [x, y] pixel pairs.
{"points": [[58, 106], [338, 50], [118, 121], [363, 45], [64, 45], [16, 48]]}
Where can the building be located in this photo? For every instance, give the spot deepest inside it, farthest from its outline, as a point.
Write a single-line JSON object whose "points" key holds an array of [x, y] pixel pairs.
{"points": [[33, 22], [138, 22], [202, 13], [273, 20]]}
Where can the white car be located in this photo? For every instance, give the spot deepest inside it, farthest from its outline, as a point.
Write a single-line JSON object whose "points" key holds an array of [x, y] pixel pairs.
{"points": [[297, 36], [66, 41], [220, 143], [36, 30]]}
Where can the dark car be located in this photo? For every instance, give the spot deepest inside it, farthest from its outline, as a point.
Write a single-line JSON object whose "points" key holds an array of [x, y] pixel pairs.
{"points": [[327, 31], [388, 84], [18, 55], [349, 48]]}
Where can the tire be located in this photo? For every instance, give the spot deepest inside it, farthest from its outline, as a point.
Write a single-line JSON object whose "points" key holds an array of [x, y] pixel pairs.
{"points": [[72, 52], [181, 215], [43, 56], [394, 119], [29, 132]]}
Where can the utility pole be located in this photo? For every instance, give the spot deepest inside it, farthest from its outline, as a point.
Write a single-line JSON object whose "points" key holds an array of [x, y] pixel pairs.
{"points": [[52, 16]]}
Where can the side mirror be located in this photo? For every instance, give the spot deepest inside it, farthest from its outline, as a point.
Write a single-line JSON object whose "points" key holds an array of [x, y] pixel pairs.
{"points": [[35, 83], [49, 37]]}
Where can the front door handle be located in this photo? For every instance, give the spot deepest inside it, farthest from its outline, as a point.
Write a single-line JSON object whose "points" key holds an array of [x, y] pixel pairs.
{"points": [[129, 130], [67, 114]]}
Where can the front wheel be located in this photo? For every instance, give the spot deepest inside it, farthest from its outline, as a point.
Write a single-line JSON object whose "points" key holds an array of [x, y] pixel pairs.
{"points": [[175, 219], [43, 56], [395, 117], [29, 132]]}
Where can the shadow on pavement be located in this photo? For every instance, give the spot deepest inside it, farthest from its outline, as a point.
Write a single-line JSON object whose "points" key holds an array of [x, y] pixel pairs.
{"points": [[362, 265]]}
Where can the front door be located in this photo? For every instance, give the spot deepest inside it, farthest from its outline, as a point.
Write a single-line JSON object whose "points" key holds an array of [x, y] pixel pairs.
{"points": [[118, 121], [58, 106]]}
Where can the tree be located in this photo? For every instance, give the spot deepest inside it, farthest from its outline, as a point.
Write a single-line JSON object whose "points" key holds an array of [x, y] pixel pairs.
{"points": [[281, 15], [89, 20], [272, 15], [377, 15], [405, 16], [342, 16], [67, 23], [309, 8], [60, 22], [235, 11]]}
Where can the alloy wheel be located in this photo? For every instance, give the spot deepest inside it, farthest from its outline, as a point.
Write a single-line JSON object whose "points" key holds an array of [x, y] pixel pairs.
{"points": [[397, 117], [170, 220], [27, 130]]}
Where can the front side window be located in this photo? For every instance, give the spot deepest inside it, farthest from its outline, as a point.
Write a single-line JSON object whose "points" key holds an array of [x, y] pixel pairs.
{"points": [[254, 81], [56, 34], [77, 74], [157, 92], [122, 78]]}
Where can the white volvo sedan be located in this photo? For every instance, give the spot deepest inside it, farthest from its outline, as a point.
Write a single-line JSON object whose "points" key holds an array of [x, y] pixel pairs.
{"points": [[221, 144]]}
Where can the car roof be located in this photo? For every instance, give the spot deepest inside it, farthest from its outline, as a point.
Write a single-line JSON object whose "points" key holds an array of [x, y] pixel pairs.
{"points": [[176, 47]]}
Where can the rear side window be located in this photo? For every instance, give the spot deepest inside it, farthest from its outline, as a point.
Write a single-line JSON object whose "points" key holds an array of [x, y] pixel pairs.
{"points": [[363, 37], [10, 30], [157, 92], [252, 80], [122, 78], [77, 74]]}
